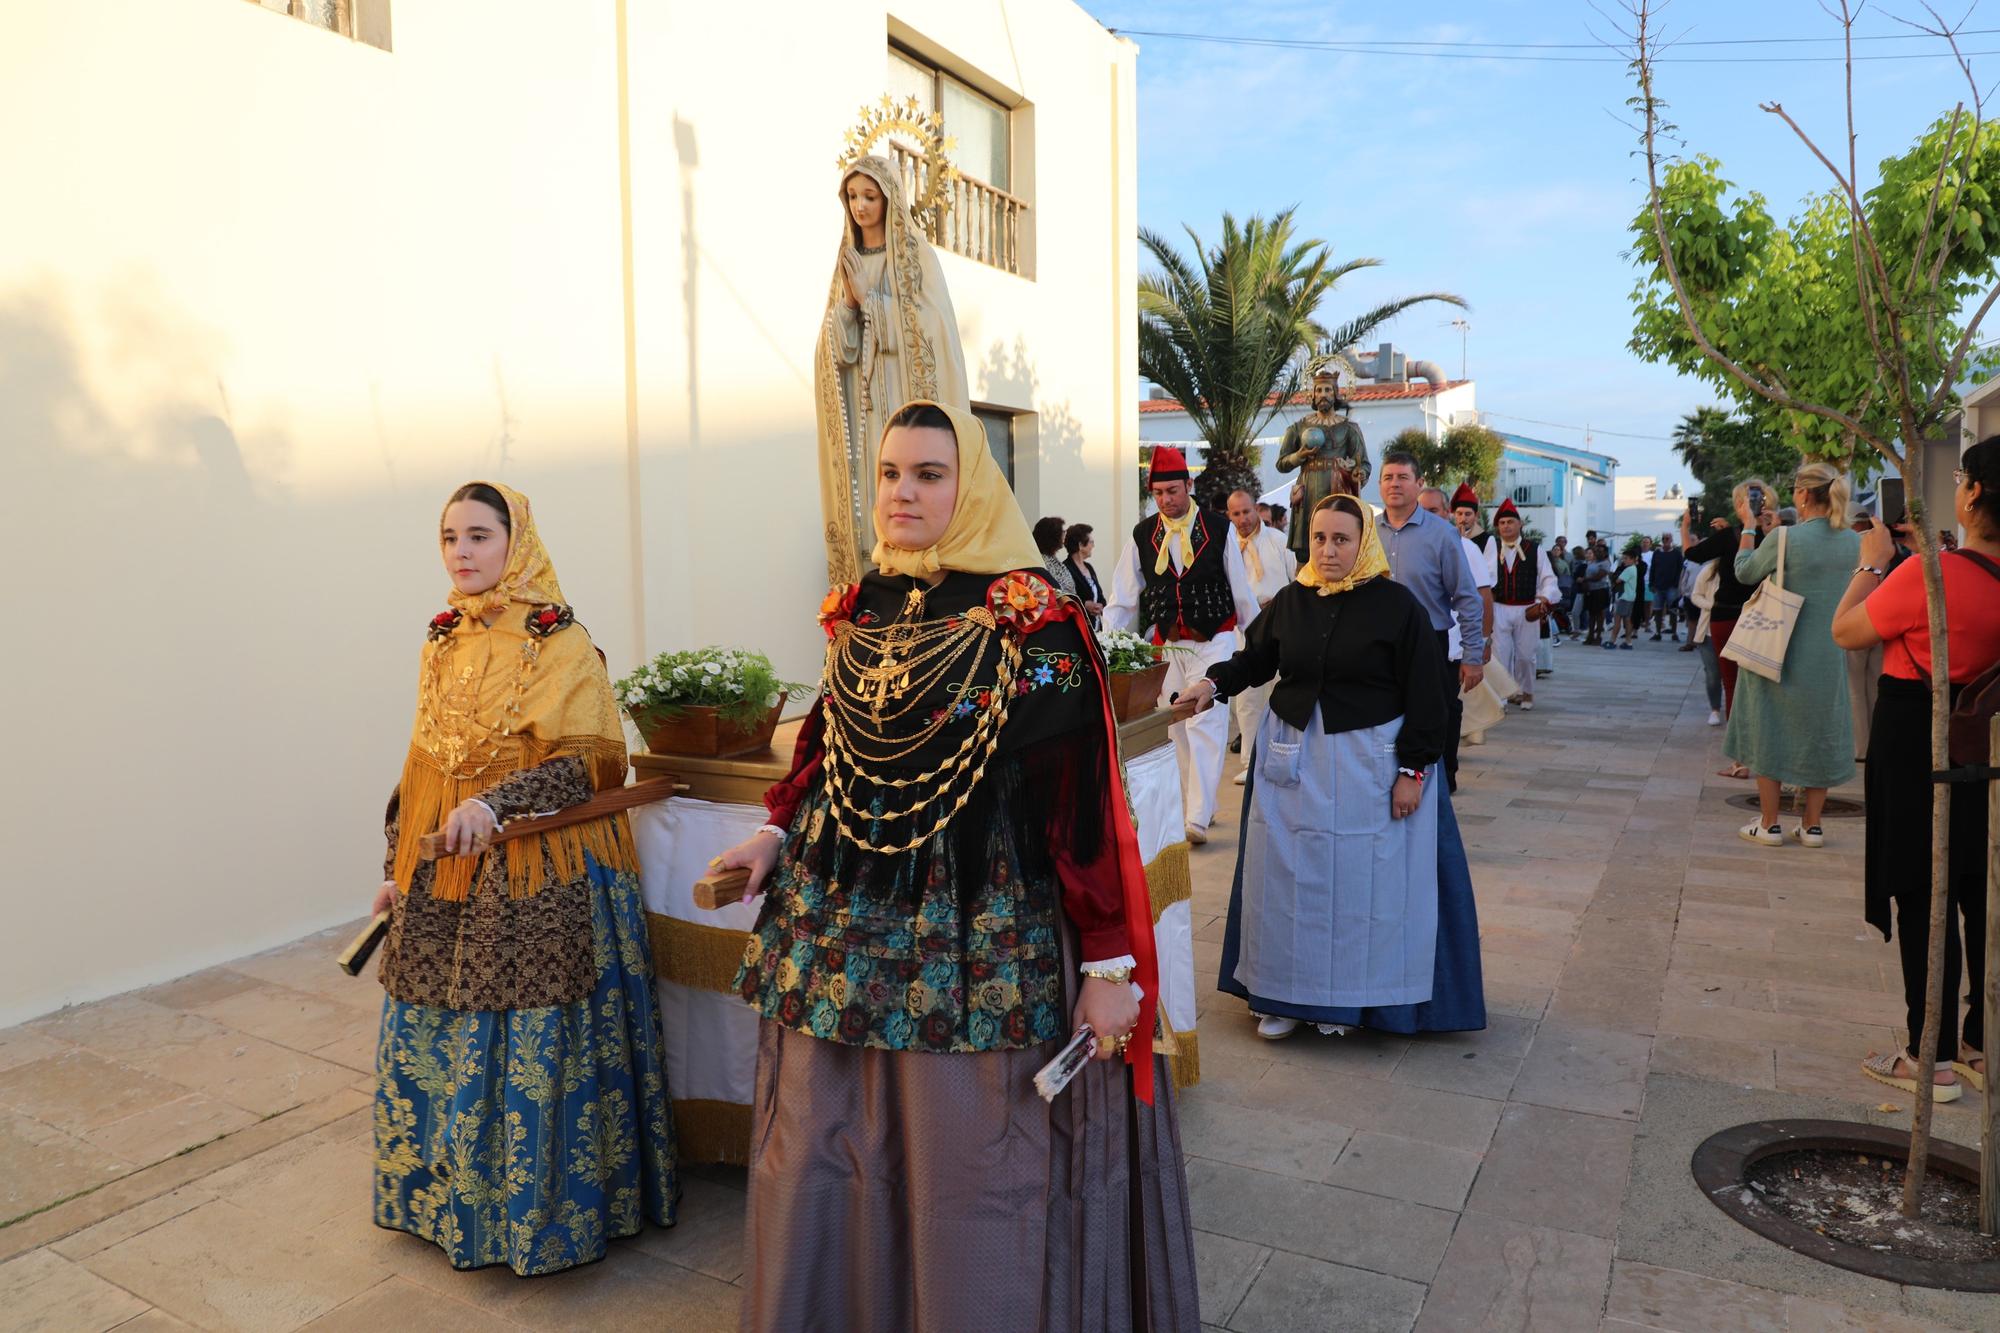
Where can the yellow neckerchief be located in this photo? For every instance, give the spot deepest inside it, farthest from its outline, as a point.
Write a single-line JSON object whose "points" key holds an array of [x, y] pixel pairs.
{"points": [[1369, 562], [1251, 560], [1174, 531], [987, 534], [495, 699]]}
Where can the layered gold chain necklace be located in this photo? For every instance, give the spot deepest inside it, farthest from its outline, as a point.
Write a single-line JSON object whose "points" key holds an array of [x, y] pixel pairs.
{"points": [[876, 679]]}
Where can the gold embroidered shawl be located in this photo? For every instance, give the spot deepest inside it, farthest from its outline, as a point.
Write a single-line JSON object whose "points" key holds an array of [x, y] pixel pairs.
{"points": [[902, 344], [495, 699]]}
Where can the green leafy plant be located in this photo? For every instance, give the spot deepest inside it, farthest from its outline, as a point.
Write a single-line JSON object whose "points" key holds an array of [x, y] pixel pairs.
{"points": [[740, 685], [1463, 453], [1126, 652]]}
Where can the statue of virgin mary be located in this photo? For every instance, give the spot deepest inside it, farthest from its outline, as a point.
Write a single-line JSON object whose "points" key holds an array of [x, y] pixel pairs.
{"points": [[889, 336]]}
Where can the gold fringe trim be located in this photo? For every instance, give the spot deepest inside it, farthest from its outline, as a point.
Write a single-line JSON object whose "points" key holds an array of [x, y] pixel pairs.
{"points": [[428, 795], [691, 954], [711, 1131], [1182, 1049], [1169, 880]]}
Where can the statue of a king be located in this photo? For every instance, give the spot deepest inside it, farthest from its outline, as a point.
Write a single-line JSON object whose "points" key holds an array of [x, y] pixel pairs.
{"points": [[1327, 451]]}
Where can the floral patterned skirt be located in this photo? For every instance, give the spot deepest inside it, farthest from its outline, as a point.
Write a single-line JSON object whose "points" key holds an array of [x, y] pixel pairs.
{"points": [[531, 1137]]}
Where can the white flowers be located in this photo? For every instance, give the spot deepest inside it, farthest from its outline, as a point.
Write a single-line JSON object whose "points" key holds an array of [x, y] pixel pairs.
{"points": [[732, 679]]}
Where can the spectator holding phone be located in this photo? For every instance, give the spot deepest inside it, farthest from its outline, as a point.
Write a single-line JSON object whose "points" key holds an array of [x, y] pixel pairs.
{"points": [[1730, 592], [1795, 731]]}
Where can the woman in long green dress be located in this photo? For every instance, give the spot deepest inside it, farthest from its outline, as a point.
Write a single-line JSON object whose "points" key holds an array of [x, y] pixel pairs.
{"points": [[1797, 731]]}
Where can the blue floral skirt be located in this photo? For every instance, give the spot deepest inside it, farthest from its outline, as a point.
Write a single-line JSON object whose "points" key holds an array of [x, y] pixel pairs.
{"points": [[531, 1137]]}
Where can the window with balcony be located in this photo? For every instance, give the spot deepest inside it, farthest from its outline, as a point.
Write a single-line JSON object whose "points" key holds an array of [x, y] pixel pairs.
{"points": [[983, 221], [363, 20]]}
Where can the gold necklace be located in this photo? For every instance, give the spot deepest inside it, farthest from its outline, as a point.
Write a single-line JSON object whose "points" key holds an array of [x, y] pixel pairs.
{"points": [[880, 676], [451, 729]]}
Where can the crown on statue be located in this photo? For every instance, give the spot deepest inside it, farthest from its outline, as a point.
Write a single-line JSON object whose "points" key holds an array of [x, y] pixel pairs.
{"points": [[881, 119]]}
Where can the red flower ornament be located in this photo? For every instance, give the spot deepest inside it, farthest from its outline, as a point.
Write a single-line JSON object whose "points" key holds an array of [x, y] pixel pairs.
{"points": [[1022, 601], [838, 607]]}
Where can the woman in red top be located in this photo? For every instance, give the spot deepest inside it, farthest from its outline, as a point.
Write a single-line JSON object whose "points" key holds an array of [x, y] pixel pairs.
{"points": [[1892, 611]]}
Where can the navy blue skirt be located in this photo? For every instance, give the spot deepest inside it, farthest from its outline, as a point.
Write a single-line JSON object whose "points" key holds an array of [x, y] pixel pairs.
{"points": [[1458, 993]]}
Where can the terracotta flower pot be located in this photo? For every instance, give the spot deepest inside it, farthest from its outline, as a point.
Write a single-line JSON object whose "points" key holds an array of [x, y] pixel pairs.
{"points": [[699, 730], [1136, 693]]}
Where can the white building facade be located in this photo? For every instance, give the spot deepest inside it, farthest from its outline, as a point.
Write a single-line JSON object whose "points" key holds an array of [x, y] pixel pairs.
{"points": [[268, 291], [1560, 491]]}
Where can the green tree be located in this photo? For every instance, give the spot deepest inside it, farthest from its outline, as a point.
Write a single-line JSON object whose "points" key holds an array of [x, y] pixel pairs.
{"points": [[1232, 333], [1462, 453], [1845, 331], [1723, 450]]}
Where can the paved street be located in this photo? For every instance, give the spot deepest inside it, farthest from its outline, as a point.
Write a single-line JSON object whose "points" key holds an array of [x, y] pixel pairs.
{"points": [[1651, 979]]}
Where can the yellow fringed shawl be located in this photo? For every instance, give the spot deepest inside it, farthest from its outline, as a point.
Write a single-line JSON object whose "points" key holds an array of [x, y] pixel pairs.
{"points": [[494, 700]]}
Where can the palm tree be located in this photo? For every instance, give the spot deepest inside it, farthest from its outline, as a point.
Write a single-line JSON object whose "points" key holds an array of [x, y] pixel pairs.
{"points": [[1232, 334]]}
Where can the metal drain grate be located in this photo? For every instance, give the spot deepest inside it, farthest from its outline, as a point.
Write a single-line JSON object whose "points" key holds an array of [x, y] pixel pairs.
{"points": [[1837, 807]]}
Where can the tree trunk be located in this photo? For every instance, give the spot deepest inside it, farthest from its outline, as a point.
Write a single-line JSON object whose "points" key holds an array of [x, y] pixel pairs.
{"points": [[1926, 1054]]}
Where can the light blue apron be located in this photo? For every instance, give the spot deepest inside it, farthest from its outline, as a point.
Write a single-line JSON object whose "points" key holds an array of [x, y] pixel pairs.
{"points": [[1339, 900]]}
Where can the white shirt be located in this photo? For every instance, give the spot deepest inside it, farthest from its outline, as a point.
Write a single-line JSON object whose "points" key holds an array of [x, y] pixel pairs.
{"points": [[1481, 565], [1122, 611], [1279, 564]]}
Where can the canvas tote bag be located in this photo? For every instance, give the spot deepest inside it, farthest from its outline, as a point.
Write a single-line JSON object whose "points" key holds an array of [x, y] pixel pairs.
{"points": [[1764, 629]]}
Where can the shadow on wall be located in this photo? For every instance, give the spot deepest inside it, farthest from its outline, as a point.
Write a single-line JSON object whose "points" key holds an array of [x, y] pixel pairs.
{"points": [[210, 677], [1008, 375]]}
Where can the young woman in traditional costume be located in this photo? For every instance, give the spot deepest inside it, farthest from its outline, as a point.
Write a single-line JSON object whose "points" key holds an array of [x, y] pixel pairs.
{"points": [[954, 886], [1352, 904], [521, 1104]]}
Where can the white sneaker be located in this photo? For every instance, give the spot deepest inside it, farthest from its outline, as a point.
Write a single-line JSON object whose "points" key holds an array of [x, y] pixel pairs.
{"points": [[1241, 775], [1198, 833], [1715, 717], [1758, 833], [1814, 836], [1276, 1029], [1331, 1029], [1527, 703]]}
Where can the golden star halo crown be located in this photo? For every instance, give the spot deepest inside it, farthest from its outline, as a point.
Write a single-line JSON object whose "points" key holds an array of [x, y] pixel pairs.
{"points": [[888, 116]]}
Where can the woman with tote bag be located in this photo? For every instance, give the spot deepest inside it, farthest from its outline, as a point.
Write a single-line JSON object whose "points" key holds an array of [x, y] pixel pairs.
{"points": [[1790, 724]]}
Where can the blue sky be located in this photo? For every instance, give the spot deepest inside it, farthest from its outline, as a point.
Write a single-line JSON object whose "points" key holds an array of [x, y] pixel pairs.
{"points": [[1509, 182]]}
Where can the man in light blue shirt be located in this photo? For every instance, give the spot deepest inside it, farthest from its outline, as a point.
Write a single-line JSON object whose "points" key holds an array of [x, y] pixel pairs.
{"points": [[1427, 557]]}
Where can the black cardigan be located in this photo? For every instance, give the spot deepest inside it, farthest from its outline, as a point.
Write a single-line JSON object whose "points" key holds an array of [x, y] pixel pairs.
{"points": [[1366, 656]]}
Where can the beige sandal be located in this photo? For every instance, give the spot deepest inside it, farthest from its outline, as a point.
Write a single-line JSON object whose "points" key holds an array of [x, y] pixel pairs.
{"points": [[1733, 771], [1882, 1068], [1965, 1070]]}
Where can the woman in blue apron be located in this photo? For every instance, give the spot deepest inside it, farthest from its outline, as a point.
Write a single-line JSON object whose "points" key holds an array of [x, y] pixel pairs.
{"points": [[1352, 904]]}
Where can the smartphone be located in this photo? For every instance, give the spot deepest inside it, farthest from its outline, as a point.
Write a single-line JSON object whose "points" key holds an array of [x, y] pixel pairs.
{"points": [[1756, 502]]}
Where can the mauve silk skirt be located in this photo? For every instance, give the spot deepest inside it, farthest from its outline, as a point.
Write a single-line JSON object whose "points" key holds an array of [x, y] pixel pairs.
{"points": [[899, 1190]]}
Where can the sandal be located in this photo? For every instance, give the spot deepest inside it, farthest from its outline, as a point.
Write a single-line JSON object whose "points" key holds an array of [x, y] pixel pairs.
{"points": [[1733, 771], [1882, 1068], [1973, 1074]]}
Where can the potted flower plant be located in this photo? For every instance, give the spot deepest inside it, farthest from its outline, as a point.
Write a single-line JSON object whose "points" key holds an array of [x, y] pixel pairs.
{"points": [[712, 702], [1137, 667]]}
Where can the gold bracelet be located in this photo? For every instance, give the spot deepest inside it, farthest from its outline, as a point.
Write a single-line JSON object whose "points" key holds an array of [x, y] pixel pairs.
{"points": [[1114, 975]]}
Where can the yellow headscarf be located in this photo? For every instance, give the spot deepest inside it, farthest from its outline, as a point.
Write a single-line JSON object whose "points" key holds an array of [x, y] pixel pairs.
{"points": [[1369, 562], [530, 577], [495, 699], [987, 534]]}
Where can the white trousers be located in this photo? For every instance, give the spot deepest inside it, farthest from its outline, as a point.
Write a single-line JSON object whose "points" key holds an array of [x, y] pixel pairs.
{"points": [[1199, 743], [1247, 711], [1514, 639]]}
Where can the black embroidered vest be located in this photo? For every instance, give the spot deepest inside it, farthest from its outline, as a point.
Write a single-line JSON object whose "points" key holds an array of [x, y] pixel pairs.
{"points": [[1196, 600], [1515, 587]]}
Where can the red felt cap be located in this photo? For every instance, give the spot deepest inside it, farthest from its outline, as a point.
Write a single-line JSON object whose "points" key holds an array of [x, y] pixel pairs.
{"points": [[1506, 510], [1169, 464], [1465, 495]]}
